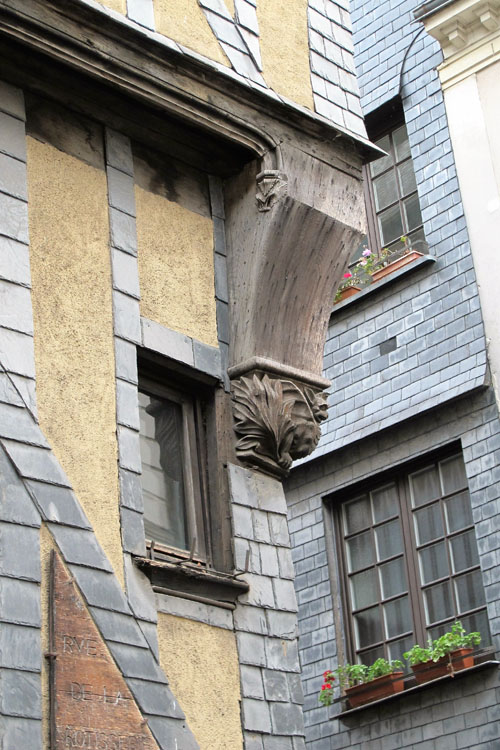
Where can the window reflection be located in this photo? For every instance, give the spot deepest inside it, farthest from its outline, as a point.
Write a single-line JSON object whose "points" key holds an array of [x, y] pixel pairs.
{"points": [[161, 443]]}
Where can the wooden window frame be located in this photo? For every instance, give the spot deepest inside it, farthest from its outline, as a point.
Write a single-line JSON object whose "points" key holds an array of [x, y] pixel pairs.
{"points": [[373, 233], [415, 589], [194, 466]]}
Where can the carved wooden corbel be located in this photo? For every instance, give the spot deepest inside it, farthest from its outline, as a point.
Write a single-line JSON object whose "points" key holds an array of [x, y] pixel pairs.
{"points": [[283, 267], [276, 421], [271, 186]]}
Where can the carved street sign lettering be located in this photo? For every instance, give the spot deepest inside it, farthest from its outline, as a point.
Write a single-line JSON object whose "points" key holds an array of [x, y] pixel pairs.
{"points": [[91, 705], [91, 739], [75, 644]]}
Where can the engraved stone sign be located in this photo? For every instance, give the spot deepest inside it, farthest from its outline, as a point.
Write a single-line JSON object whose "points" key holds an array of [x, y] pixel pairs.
{"points": [[91, 706]]}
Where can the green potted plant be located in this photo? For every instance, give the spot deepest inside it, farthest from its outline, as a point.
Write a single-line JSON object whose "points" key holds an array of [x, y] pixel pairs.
{"points": [[447, 654], [360, 276], [371, 267], [348, 287], [363, 684], [400, 257]]}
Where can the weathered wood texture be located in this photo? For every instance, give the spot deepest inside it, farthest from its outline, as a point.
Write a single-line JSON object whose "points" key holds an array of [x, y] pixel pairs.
{"points": [[91, 704], [284, 265]]}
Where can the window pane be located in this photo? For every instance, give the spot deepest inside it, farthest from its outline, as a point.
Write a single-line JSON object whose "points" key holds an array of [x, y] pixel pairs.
{"points": [[390, 224], [439, 630], [368, 627], [424, 486], [360, 551], [407, 181], [438, 602], [458, 512], [464, 551], [453, 475], [364, 589], [379, 165], [358, 252], [385, 503], [399, 647], [393, 578], [417, 241], [385, 190], [469, 591], [389, 539], [397, 617], [160, 440], [371, 655], [401, 145], [395, 247], [357, 515], [428, 523], [478, 622], [413, 217], [433, 562]]}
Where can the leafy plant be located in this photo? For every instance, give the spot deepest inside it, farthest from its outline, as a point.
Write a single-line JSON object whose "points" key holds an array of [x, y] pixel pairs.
{"points": [[350, 279], [453, 640], [456, 638], [418, 655], [382, 667], [361, 273], [349, 675], [326, 692]]}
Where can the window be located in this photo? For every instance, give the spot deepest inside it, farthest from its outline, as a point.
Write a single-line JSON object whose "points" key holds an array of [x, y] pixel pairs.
{"points": [[391, 197], [410, 561], [172, 445]]}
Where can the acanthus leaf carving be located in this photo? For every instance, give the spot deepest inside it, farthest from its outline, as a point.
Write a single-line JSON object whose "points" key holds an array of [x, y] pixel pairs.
{"points": [[276, 421]]}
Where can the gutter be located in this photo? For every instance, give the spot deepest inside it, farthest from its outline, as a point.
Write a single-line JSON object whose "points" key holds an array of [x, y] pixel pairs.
{"points": [[430, 8]]}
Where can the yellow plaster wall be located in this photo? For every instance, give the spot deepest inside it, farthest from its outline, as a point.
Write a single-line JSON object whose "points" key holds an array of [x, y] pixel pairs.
{"points": [[284, 46], [185, 22], [74, 353], [176, 266], [201, 663], [119, 5]]}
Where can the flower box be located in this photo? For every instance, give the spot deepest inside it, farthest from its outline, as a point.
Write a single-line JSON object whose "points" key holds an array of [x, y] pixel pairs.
{"points": [[462, 658], [378, 688], [347, 292], [404, 260]]}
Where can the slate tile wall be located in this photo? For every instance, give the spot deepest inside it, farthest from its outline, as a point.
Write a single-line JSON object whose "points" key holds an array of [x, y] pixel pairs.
{"points": [[386, 36], [390, 407], [469, 712], [20, 574], [333, 75], [34, 488], [265, 619], [434, 311]]}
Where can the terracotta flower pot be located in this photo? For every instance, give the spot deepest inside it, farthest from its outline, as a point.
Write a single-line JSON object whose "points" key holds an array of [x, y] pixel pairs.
{"points": [[462, 658], [347, 292], [378, 688], [404, 260]]}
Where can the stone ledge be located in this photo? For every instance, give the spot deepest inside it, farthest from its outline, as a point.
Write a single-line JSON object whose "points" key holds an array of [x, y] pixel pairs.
{"points": [[417, 688], [377, 285]]}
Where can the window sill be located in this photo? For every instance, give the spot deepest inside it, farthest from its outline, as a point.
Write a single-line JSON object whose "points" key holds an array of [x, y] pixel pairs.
{"points": [[192, 581], [382, 283], [417, 688]]}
